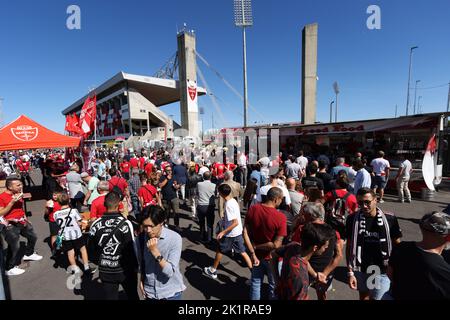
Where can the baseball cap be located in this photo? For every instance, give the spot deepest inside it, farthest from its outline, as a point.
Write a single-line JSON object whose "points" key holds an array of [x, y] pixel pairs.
{"points": [[84, 175], [436, 222]]}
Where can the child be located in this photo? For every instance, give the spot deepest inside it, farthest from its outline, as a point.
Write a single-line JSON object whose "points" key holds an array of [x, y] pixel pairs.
{"points": [[51, 207], [69, 221], [231, 237], [293, 282]]}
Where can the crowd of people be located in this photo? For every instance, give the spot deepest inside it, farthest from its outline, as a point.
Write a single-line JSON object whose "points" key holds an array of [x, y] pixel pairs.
{"points": [[292, 218]]}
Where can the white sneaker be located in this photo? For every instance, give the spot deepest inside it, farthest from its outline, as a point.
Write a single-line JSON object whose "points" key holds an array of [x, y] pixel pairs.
{"points": [[14, 271], [33, 257]]}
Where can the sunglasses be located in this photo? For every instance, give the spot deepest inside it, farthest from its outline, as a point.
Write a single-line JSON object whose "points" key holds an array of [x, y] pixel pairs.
{"points": [[365, 202]]}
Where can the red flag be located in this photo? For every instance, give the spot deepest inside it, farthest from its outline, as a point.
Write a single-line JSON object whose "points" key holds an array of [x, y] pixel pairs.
{"points": [[75, 124], [88, 114], [68, 123]]}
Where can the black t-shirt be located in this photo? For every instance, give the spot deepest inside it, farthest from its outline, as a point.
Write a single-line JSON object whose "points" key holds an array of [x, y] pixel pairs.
{"points": [[168, 191], [326, 179], [418, 274], [371, 249], [309, 182], [446, 255]]}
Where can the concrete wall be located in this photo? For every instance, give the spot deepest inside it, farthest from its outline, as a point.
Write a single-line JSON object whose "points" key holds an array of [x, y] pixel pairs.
{"points": [[309, 73]]}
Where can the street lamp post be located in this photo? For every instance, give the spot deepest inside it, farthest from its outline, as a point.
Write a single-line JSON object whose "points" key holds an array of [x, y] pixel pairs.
{"points": [[448, 98], [419, 107], [331, 111], [243, 18], [409, 77], [336, 91], [415, 96]]}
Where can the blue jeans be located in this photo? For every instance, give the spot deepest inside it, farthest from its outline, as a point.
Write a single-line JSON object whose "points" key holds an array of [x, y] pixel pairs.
{"points": [[257, 279], [377, 285], [177, 296]]}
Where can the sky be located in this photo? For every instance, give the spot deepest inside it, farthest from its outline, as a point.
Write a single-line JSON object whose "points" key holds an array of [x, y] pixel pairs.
{"points": [[45, 67]]}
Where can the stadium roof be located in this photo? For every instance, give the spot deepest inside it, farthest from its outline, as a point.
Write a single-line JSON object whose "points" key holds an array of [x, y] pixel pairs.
{"points": [[158, 91]]}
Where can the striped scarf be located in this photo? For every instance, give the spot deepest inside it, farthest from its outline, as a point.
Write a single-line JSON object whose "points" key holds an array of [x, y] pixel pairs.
{"points": [[357, 241]]}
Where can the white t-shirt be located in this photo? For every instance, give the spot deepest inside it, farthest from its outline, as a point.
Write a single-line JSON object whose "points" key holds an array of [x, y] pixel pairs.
{"points": [[242, 160], [231, 213], [202, 170], [264, 190], [379, 166], [71, 230], [407, 167], [303, 162], [108, 164], [265, 162]]}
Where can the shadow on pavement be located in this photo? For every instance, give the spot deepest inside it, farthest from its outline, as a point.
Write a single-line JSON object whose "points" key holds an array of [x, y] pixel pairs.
{"points": [[91, 289], [223, 288], [210, 288]]}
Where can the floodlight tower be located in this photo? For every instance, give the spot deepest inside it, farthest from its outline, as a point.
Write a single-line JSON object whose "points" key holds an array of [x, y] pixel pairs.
{"points": [[243, 18]]}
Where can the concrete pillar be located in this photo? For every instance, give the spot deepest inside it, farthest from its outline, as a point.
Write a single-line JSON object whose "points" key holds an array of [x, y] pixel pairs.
{"points": [[187, 72], [309, 73]]}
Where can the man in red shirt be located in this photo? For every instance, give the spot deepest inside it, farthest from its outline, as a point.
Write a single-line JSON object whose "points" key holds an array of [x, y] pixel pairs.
{"points": [[264, 230], [17, 224], [230, 166], [134, 162], [125, 169], [148, 168], [119, 182], [340, 192], [98, 208], [148, 195], [141, 163], [350, 205], [219, 172], [24, 169]]}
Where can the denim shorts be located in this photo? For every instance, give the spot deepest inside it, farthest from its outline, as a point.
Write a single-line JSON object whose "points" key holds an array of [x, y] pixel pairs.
{"points": [[379, 181], [226, 244], [376, 285]]}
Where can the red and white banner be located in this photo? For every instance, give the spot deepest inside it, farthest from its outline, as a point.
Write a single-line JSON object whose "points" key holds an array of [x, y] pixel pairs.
{"points": [[428, 163], [88, 114], [192, 96]]}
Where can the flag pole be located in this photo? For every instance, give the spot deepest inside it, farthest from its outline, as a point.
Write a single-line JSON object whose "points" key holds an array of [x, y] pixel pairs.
{"points": [[95, 132]]}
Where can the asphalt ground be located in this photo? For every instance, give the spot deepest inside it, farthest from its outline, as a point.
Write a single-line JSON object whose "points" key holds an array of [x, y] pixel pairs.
{"points": [[44, 280]]}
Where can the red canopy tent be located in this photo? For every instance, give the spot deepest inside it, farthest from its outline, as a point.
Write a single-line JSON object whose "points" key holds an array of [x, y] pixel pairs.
{"points": [[25, 133]]}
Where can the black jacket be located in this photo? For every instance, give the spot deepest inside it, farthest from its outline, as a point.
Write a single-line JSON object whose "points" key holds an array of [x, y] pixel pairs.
{"points": [[117, 257]]}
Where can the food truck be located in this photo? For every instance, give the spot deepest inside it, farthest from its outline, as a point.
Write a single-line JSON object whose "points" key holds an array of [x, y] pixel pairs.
{"points": [[403, 136]]}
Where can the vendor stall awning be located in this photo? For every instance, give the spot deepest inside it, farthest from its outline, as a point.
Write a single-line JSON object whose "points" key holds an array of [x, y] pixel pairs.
{"points": [[24, 133]]}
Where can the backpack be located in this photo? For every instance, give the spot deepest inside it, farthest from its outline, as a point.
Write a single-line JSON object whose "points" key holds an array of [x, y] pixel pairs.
{"points": [[118, 191], [336, 212]]}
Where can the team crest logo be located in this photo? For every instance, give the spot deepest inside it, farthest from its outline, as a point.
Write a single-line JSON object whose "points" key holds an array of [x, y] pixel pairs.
{"points": [[25, 133], [192, 92]]}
